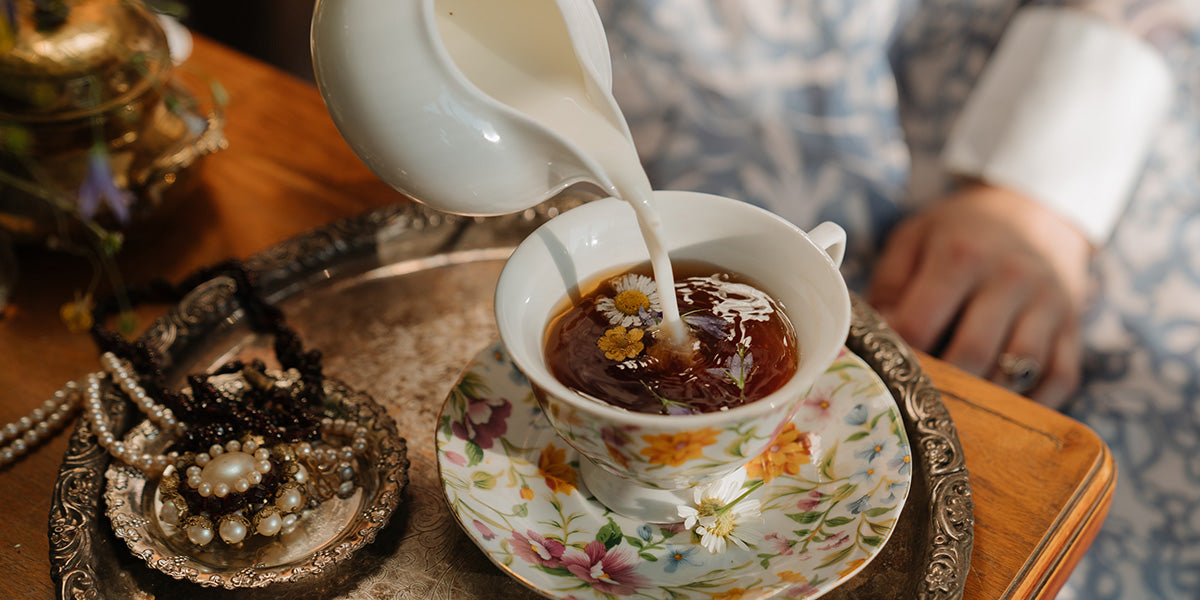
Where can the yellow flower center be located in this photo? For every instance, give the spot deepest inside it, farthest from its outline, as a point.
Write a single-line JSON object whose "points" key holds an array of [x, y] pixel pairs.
{"points": [[723, 526], [629, 301]]}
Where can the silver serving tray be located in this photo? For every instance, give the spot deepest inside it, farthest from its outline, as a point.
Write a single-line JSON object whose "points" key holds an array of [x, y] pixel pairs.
{"points": [[400, 301]]}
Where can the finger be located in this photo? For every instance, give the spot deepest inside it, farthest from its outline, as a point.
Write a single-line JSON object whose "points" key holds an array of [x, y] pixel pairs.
{"points": [[1064, 370], [1035, 335], [895, 265], [947, 274], [985, 325]]}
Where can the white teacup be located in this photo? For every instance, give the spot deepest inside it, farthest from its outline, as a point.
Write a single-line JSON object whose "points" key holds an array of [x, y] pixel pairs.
{"points": [[624, 467]]}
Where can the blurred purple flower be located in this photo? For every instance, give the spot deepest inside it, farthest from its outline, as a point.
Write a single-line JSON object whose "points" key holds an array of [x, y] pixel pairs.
{"points": [[98, 184]]}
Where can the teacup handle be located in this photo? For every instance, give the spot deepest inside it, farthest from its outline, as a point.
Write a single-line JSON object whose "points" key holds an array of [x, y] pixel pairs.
{"points": [[831, 238]]}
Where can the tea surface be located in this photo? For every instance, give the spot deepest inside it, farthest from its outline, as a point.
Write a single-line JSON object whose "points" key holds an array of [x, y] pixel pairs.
{"points": [[608, 346]]}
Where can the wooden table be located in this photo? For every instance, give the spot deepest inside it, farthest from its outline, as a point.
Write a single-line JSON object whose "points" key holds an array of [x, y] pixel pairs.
{"points": [[1041, 482]]}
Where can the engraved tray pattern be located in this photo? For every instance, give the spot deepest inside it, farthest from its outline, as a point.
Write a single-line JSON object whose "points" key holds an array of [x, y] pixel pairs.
{"points": [[399, 300]]}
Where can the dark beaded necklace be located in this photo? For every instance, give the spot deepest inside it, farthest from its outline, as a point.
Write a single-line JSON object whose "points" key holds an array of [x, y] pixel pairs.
{"points": [[277, 414]]}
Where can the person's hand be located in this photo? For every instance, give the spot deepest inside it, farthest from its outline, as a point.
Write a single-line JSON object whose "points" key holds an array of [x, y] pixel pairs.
{"points": [[988, 276]]}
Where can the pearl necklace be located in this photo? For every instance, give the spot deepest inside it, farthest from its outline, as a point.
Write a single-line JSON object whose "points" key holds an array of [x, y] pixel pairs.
{"points": [[25, 434]]}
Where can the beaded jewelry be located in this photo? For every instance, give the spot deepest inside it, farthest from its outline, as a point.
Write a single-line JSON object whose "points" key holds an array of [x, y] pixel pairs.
{"points": [[253, 447]]}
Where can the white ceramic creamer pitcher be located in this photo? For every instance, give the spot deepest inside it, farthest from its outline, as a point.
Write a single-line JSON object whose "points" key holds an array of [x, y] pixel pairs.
{"points": [[459, 103]]}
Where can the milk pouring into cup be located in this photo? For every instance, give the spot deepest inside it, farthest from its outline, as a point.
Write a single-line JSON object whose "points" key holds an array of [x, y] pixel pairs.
{"points": [[486, 107]]}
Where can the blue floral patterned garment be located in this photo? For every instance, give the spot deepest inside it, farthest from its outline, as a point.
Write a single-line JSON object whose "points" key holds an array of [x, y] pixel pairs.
{"points": [[835, 110]]}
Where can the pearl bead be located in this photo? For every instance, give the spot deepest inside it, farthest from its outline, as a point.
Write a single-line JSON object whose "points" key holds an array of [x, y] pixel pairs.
{"points": [[232, 530], [249, 446], [255, 477], [169, 513], [215, 450], [202, 459], [233, 446], [270, 525], [291, 499], [241, 485], [262, 454], [301, 475], [304, 450], [193, 471], [263, 466], [221, 490], [204, 489], [199, 535], [289, 523]]}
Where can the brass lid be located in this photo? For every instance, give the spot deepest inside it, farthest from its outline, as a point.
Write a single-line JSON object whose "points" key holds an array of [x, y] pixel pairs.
{"points": [[104, 54]]}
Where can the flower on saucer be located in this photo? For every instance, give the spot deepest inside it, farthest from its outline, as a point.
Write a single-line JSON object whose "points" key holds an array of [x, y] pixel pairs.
{"points": [[609, 572], [790, 450], [558, 475], [679, 555], [902, 462], [537, 550], [484, 530], [633, 293], [483, 420], [619, 344], [722, 513]]}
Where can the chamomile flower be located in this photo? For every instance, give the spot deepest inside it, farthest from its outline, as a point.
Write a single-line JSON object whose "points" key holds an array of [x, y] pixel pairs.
{"points": [[722, 514], [619, 344], [633, 293]]}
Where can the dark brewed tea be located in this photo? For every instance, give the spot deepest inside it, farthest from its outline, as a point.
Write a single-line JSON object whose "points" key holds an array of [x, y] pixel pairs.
{"points": [[741, 345]]}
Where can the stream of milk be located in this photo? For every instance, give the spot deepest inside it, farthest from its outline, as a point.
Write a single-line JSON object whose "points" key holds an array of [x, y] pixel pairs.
{"points": [[519, 53]]}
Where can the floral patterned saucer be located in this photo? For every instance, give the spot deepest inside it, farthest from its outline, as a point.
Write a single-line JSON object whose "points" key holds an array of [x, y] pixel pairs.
{"points": [[833, 493]]}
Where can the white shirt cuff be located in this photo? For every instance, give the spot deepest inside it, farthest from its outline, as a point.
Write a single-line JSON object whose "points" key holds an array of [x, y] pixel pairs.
{"points": [[1064, 112]]}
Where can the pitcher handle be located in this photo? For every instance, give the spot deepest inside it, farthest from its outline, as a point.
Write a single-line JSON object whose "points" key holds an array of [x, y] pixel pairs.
{"points": [[831, 238]]}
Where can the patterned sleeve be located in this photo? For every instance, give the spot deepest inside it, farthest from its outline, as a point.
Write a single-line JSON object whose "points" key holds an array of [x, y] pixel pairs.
{"points": [[1068, 104]]}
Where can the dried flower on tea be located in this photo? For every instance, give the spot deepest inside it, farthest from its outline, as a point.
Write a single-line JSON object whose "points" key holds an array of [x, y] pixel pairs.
{"points": [[741, 345]]}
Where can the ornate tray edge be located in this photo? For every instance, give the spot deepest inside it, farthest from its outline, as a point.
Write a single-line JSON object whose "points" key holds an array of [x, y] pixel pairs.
{"points": [[948, 551]]}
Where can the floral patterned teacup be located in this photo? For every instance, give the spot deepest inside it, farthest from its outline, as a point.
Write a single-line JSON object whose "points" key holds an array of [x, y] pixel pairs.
{"points": [[645, 465]]}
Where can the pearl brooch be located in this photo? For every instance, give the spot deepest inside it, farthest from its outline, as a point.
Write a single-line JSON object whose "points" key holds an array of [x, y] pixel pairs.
{"points": [[233, 491]]}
